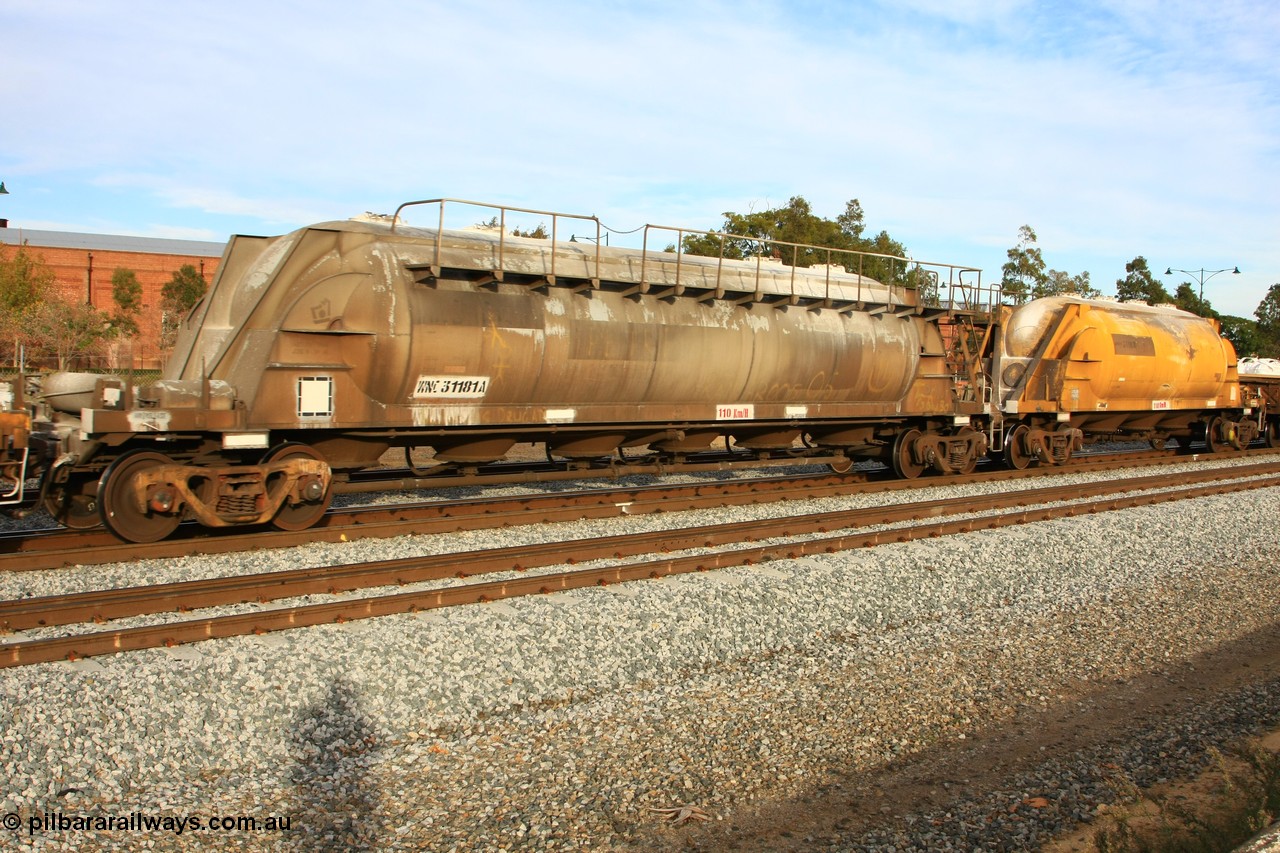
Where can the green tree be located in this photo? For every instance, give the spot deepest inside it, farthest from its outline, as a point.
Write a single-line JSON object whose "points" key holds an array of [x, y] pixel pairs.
{"points": [[1244, 335], [1084, 286], [1186, 298], [851, 222], [178, 296], [126, 293], [1059, 283], [1268, 314], [65, 330], [760, 233], [1139, 285], [767, 233], [25, 279], [539, 232], [1024, 274], [25, 282], [885, 268]]}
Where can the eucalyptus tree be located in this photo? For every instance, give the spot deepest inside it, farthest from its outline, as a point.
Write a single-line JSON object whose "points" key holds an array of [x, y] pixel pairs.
{"points": [[1139, 285]]}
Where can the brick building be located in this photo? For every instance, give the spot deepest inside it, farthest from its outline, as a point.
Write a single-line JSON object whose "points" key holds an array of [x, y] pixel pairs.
{"points": [[84, 264]]}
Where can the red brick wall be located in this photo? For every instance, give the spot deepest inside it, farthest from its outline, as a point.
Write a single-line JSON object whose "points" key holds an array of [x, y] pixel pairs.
{"points": [[85, 275]]}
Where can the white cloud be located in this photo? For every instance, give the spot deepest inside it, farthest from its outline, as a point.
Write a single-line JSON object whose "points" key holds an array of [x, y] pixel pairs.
{"points": [[1148, 128], [220, 202]]}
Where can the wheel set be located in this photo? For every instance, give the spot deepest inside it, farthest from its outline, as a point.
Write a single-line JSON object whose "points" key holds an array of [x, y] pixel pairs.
{"points": [[130, 509], [138, 503]]}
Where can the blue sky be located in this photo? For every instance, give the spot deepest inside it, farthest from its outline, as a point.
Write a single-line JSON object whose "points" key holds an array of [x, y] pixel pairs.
{"points": [[1114, 130]]}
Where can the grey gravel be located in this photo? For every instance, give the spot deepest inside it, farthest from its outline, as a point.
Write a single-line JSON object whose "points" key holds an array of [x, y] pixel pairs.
{"points": [[560, 722]]}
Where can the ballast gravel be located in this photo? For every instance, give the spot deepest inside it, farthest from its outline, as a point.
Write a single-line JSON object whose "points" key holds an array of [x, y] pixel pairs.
{"points": [[563, 722]]}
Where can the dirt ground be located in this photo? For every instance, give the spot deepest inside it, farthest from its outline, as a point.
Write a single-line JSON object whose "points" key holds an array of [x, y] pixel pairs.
{"points": [[1199, 796], [926, 781]]}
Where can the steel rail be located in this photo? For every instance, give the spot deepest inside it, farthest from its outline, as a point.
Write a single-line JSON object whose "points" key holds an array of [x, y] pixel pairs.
{"points": [[102, 605], [35, 651], [59, 548]]}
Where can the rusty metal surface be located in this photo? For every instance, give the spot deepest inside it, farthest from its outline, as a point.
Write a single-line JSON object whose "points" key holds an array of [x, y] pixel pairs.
{"points": [[221, 496], [15, 432], [357, 335], [53, 549], [1108, 356], [1268, 388], [59, 548]]}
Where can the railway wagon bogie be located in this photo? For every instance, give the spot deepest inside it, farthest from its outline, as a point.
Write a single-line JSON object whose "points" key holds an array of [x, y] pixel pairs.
{"points": [[140, 460], [918, 448], [1032, 440]]}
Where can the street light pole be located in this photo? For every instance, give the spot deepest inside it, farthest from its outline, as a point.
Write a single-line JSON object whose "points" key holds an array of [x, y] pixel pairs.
{"points": [[1203, 275]]}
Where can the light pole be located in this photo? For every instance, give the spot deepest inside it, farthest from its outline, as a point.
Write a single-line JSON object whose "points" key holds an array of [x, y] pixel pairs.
{"points": [[1203, 275]]}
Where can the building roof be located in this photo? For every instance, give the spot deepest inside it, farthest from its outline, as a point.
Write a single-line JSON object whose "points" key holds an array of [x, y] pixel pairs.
{"points": [[112, 243]]}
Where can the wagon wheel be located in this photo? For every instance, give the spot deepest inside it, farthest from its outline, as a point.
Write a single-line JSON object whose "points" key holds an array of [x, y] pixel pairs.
{"points": [[71, 498], [1216, 438], [302, 515], [1272, 433], [970, 463], [903, 462], [118, 500], [1015, 455]]}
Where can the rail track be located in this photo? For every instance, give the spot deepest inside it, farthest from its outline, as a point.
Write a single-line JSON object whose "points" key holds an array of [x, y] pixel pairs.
{"points": [[51, 549], [779, 538]]}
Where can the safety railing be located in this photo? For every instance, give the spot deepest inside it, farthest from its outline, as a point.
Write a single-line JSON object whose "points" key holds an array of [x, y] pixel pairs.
{"points": [[968, 294], [963, 286], [502, 212], [829, 258]]}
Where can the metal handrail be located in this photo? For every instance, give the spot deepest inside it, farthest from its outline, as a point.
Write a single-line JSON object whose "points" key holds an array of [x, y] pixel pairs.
{"points": [[955, 272], [970, 294], [724, 237], [502, 210]]}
